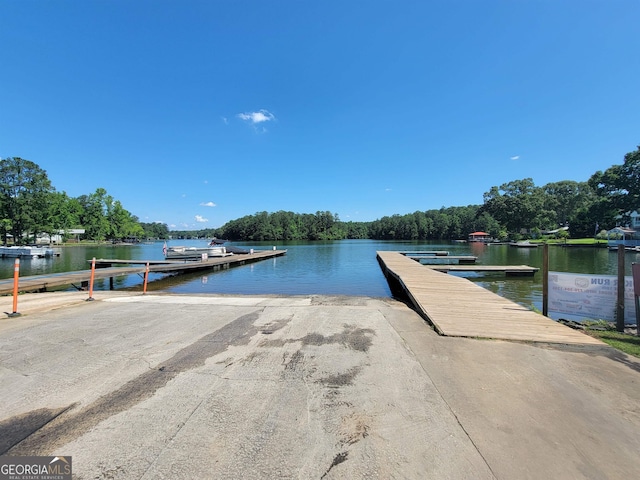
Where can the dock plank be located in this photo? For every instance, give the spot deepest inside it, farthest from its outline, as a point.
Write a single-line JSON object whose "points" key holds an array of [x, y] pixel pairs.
{"points": [[457, 307]]}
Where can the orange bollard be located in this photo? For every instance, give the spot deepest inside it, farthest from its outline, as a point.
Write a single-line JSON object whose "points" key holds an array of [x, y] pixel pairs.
{"points": [[146, 278], [93, 272], [16, 279]]}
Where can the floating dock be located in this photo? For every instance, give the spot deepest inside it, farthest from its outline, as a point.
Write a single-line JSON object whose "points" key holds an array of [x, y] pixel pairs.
{"points": [[437, 253], [28, 252], [438, 259], [508, 270], [105, 269], [458, 307], [443, 262]]}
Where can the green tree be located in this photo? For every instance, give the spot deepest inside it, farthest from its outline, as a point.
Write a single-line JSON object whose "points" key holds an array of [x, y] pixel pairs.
{"points": [[122, 225], [24, 190], [94, 217], [158, 230], [618, 188], [63, 213], [484, 222], [567, 198], [518, 205]]}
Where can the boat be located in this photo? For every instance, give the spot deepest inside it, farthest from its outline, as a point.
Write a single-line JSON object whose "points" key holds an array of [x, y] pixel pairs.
{"points": [[524, 244], [217, 241], [237, 250], [194, 253]]}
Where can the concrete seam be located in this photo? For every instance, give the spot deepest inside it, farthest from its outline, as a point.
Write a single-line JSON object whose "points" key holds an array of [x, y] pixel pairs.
{"points": [[475, 446]]}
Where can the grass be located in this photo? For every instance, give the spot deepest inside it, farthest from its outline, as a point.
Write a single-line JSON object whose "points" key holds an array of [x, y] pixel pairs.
{"points": [[576, 241], [624, 342], [585, 241]]}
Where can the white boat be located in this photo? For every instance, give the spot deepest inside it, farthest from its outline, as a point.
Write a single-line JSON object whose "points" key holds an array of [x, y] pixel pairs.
{"points": [[524, 244], [195, 253]]}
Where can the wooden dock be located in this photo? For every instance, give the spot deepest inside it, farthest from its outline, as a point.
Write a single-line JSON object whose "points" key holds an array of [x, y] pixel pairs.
{"points": [[438, 253], [508, 270], [457, 307], [105, 269], [432, 259]]}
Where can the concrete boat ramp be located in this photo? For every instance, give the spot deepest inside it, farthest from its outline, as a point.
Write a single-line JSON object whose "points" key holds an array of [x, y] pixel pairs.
{"points": [[136, 386]]}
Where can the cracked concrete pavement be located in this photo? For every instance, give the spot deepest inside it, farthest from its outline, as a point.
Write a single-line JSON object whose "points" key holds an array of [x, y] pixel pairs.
{"points": [[177, 386]]}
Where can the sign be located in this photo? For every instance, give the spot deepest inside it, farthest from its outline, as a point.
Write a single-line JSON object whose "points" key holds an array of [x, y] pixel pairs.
{"points": [[590, 296], [35, 468]]}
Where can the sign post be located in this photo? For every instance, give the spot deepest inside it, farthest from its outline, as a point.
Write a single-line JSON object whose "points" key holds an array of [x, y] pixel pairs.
{"points": [[635, 269], [545, 280], [620, 302]]}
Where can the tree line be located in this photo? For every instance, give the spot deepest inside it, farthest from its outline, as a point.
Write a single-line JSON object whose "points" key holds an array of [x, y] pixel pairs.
{"points": [[30, 205], [514, 210]]}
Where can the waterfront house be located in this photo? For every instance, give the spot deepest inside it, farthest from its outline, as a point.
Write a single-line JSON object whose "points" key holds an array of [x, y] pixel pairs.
{"points": [[634, 220], [47, 239], [625, 236], [628, 235]]}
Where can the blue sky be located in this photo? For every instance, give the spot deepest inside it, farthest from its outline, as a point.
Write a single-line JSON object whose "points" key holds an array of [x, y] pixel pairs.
{"points": [[194, 113]]}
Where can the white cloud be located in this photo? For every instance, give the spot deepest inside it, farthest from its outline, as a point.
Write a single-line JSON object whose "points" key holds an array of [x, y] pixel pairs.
{"points": [[387, 189], [201, 219], [207, 204], [515, 157], [257, 117]]}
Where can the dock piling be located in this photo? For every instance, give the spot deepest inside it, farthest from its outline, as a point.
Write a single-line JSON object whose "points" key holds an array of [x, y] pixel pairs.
{"points": [[146, 278], [93, 274], [16, 281]]}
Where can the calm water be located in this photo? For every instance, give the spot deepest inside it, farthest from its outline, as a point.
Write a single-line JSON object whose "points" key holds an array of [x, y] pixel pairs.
{"points": [[347, 267]]}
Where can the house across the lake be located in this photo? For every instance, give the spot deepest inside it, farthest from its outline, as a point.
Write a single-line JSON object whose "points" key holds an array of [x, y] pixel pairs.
{"points": [[629, 235], [73, 235]]}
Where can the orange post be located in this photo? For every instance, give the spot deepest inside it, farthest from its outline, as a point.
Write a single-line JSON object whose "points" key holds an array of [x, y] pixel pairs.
{"points": [[16, 280], [93, 272], [146, 278]]}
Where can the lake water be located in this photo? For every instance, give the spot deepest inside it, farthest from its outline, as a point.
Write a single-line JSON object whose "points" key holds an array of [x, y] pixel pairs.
{"points": [[346, 267]]}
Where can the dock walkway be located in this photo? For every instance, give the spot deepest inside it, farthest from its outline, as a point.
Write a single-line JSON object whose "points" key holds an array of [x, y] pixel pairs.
{"points": [[104, 269], [457, 307], [508, 270]]}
